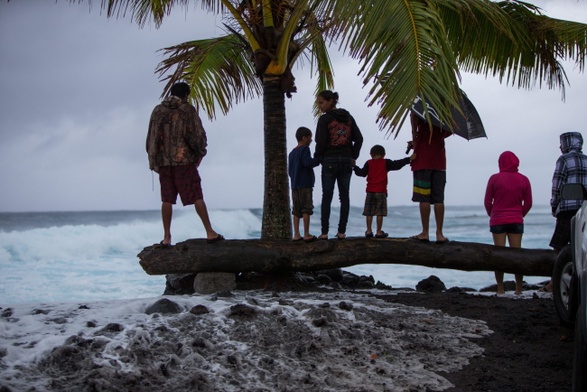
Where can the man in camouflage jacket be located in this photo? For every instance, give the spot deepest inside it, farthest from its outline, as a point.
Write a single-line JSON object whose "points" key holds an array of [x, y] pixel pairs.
{"points": [[176, 144]]}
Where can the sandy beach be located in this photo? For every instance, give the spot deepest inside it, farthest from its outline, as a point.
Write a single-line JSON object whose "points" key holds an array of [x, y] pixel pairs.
{"points": [[528, 350]]}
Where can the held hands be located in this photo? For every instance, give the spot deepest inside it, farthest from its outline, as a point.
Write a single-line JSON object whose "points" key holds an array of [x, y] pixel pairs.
{"points": [[413, 156]]}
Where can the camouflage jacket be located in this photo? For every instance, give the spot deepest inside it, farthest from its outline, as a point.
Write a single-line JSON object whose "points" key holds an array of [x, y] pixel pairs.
{"points": [[176, 135]]}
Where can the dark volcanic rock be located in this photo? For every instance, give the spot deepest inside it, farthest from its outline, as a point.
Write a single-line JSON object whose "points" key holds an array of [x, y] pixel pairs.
{"points": [[431, 284], [163, 306]]}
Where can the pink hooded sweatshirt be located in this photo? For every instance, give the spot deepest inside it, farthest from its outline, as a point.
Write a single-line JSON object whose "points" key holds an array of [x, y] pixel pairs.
{"points": [[508, 196]]}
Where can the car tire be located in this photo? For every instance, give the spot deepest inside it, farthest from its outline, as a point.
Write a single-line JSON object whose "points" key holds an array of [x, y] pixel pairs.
{"points": [[580, 358], [562, 290]]}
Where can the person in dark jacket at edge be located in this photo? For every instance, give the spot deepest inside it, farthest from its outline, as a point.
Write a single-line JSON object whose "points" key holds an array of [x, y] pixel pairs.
{"points": [[570, 168]]}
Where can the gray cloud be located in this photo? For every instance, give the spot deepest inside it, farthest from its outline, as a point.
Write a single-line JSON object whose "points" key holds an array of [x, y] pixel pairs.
{"points": [[77, 90]]}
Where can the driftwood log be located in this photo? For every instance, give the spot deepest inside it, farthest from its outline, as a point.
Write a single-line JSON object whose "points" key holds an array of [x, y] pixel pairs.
{"points": [[195, 256]]}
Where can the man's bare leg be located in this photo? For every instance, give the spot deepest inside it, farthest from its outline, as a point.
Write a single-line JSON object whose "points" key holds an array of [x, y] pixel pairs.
{"points": [[425, 218], [439, 218], [202, 212], [166, 215], [369, 221], [379, 224]]}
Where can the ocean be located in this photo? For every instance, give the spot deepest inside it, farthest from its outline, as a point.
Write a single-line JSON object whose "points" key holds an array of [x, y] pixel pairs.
{"points": [[48, 257]]}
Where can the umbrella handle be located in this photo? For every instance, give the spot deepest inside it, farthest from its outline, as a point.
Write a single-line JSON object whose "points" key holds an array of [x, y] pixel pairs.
{"points": [[410, 146]]}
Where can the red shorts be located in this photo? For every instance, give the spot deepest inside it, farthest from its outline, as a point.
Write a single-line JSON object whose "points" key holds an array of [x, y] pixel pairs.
{"points": [[184, 180]]}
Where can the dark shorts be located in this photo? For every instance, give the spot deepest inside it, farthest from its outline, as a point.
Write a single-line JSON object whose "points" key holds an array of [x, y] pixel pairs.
{"points": [[429, 186], [302, 202], [510, 228], [183, 180], [562, 230], [375, 204]]}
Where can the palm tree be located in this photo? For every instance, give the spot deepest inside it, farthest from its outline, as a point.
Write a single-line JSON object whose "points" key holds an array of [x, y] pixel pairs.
{"points": [[406, 48]]}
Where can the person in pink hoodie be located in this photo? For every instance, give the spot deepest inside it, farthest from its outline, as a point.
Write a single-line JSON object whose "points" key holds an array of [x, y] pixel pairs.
{"points": [[508, 198]]}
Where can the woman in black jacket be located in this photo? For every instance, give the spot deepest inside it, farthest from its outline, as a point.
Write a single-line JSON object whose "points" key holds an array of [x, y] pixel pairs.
{"points": [[338, 143]]}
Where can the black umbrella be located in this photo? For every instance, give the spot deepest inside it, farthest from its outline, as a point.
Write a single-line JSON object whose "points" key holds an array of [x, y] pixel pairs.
{"points": [[468, 126]]}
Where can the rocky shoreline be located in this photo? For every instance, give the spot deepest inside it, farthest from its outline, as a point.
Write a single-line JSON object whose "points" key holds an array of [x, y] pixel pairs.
{"points": [[333, 279], [527, 337], [328, 331]]}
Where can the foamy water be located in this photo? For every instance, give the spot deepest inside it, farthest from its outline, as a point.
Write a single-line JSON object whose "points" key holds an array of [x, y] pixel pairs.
{"points": [[251, 341], [87, 256]]}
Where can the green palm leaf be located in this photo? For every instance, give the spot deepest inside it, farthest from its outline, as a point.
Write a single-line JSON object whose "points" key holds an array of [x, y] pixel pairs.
{"points": [[219, 71], [415, 47], [143, 10], [517, 43], [404, 53]]}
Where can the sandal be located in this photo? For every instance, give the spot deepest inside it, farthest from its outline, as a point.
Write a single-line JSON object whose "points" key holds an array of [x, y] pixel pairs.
{"points": [[161, 244], [310, 239], [213, 240]]}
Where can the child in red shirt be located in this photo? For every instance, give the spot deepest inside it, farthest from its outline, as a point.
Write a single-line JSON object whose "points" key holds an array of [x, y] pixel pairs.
{"points": [[375, 170]]}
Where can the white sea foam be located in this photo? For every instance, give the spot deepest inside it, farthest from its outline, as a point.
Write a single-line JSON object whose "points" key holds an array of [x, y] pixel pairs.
{"points": [[251, 341], [92, 256]]}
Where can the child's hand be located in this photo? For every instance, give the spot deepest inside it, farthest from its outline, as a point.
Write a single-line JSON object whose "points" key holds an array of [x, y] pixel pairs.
{"points": [[412, 157]]}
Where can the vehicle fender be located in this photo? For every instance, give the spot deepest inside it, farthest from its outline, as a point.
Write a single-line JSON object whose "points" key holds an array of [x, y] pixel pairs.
{"points": [[575, 244], [583, 304]]}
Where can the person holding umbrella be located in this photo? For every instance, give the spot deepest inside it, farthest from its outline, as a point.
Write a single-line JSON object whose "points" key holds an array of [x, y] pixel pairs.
{"points": [[430, 166], [429, 171]]}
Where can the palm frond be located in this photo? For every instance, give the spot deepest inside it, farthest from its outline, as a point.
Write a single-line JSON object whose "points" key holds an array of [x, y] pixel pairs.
{"points": [[143, 10], [403, 51], [513, 41], [219, 71], [320, 66], [311, 45]]}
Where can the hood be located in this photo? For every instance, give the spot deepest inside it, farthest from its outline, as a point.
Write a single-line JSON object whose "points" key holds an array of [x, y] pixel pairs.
{"points": [[341, 115], [172, 102], [571, 141], [508, 162]]}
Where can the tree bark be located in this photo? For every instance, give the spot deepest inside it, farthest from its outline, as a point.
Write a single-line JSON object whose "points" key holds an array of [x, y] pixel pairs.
{"points": [[276, 224], [195, 256]]}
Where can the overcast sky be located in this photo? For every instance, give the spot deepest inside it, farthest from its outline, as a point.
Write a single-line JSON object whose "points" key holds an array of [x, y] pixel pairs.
{"points": [[77, 90]]}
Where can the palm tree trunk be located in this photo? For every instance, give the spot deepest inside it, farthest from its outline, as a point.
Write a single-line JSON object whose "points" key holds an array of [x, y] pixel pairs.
{"points": [[276, 208]]}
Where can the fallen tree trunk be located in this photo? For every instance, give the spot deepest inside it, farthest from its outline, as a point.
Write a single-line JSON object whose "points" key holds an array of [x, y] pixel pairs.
{"points": [[195, 256]]}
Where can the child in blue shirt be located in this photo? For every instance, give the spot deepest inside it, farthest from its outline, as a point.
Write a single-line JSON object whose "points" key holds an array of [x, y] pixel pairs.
{"points": [[301, 172]]}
